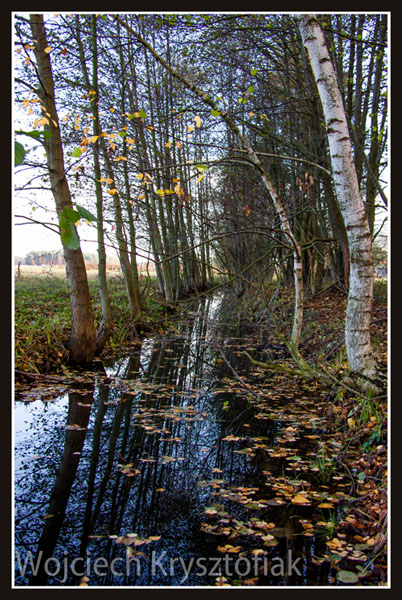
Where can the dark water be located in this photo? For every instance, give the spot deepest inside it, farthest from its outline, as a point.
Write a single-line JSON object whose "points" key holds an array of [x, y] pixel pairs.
{"points": [[140, 474]]}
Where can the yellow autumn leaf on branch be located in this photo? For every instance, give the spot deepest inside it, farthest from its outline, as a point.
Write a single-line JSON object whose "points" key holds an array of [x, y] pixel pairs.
{"points": [[168, 144], [190, 128], [118, 158], [42, 121], [112, 192], [178, 190], [200, 177], [198, 121], [48, 49], [105, 179], [130, 141]]}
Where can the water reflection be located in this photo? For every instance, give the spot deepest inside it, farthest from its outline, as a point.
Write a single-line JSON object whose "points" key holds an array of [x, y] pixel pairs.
{"points": [[120, 470]]}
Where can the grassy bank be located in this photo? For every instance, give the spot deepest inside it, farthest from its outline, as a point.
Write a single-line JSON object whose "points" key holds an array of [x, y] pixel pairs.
{"points": [[42, 319]]}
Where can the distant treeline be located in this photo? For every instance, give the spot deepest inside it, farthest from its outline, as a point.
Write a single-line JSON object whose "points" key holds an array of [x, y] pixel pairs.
{"points": [[53, 257]]}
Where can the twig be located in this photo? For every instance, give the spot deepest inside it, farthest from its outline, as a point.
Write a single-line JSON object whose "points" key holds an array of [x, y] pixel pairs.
{"points": [[41, 376]]}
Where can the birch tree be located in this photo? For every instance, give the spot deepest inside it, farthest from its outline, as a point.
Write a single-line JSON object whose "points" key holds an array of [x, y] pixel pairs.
{"points": [[358, 312]]}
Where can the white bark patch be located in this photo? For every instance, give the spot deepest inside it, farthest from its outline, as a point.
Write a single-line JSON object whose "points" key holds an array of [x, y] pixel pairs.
{"points": [[358, 313]]}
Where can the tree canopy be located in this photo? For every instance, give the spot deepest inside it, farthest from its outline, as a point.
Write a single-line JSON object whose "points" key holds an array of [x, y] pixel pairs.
{"points": [[199, 142]]}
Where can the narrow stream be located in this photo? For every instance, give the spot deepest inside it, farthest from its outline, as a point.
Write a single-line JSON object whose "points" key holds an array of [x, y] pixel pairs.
{"points": [[163, 470]]}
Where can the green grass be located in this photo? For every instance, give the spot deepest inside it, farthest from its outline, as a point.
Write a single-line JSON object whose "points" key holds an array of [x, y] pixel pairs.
{"points": [[42, 319], [380, 289]]}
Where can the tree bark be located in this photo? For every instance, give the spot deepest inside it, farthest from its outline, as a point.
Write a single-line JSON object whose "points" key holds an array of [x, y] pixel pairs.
{"points": [[82, 342], [358, 313]]}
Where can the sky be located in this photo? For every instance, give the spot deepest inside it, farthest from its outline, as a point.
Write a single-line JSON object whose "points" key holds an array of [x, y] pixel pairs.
{"points": [[30, 236]]}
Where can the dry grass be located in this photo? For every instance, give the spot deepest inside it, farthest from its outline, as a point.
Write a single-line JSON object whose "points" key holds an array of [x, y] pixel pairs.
{"points": [[59, 271]]}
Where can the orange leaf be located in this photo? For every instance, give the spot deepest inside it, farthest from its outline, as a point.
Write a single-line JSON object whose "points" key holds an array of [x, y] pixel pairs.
{"points": [[299, 499]]}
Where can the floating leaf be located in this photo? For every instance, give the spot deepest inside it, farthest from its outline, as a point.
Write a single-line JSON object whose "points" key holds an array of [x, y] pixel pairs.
{"points": [[229, 549], [167, 459], [299, 499], [347, 577]]}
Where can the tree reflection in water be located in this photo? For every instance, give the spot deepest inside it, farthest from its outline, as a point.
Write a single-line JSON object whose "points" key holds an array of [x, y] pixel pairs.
{"points": [[141, 440]]}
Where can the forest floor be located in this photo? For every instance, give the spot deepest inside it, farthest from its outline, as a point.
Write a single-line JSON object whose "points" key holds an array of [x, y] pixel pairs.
{"points": [[356, 440], [356, 424]]}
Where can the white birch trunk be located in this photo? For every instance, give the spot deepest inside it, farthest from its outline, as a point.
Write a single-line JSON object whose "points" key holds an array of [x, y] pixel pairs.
{"points": [[358, 312]]}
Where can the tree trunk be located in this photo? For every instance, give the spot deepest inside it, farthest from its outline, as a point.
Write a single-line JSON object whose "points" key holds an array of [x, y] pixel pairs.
{"points": [[358, 313], [252, 156], [105, 327], [82, 343]]}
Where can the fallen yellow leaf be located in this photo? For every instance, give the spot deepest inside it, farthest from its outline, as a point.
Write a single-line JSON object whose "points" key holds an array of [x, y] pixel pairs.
{"points": [[299, 499]]}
